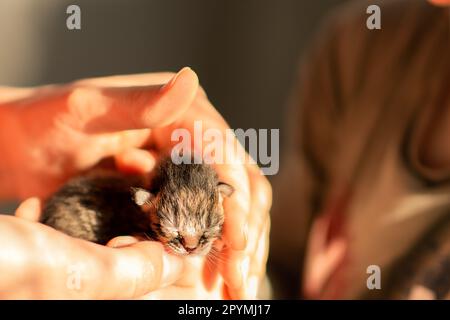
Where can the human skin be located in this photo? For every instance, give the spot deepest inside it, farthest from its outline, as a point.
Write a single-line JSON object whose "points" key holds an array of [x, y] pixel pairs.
{"points": [[37, 262], [54, 132]]}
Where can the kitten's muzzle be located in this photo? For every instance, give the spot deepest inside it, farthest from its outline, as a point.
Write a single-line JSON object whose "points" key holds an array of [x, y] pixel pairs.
{"points": [[190, 243]]}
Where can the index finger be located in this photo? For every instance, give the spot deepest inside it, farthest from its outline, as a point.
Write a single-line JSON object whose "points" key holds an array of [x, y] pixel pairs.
{"points": [[100, 109]]}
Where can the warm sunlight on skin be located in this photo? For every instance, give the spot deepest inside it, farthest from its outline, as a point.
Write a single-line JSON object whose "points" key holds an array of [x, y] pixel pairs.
{"points": [[62, 130]]}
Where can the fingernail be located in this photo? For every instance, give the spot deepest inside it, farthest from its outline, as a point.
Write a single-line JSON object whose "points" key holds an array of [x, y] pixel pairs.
{"points": [[171, 269], [252, 287], [169, 84], [122, 241], [30, 209]]}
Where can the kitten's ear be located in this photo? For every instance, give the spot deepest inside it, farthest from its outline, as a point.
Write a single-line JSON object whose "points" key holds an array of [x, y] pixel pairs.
{"points": [[142, 196], [225, 190]]}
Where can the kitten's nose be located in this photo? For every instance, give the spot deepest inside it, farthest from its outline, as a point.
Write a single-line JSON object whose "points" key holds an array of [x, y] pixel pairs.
{"points": [[189, 243]]}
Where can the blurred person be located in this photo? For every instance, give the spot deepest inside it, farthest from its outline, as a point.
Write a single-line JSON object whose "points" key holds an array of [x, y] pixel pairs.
{"points": [[367, 172]]}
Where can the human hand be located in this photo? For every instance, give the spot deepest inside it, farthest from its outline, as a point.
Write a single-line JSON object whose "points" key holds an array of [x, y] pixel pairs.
{"points": [[38, 262], [243, 258], [201, 278], [243, 255], [53, 132]]}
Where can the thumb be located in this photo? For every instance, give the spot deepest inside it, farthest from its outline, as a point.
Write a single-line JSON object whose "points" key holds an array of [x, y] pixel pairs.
{"points": [[143, 267], [137, 107], [29, 209]]}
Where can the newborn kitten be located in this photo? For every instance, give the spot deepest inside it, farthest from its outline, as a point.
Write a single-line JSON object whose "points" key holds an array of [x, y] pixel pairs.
{"points": [[181, 207]]}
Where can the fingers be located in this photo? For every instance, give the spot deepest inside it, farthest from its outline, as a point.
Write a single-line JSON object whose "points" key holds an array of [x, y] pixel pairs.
{"points": [[252, 261], [248, 267], [55, 265], [106, 109], [136, 161], [128, 80], [237, 207], [231, 170], [104, 145], [122, 241], [233, 267], [30, 209], [258, 262], [235, 228], [139, 269], [186, 293], [173, 99], [78, 269], [259, 222]]}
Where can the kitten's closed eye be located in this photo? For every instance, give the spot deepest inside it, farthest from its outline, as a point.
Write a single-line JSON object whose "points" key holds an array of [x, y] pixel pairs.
{"points": [[177, 239]]}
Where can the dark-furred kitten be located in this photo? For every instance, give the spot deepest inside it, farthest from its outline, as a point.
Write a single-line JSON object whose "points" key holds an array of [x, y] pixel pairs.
{"points": [[181, 207]]}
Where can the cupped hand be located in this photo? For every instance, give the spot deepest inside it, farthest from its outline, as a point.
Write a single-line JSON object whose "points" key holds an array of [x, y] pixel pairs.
{"points": [[67, 129], [243, 257], [38, 262]]}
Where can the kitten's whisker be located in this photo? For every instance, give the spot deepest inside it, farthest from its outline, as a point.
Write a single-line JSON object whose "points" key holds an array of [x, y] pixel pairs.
{"points": [[219, 259], [215, 252], [209, 264], [216, 257]]}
